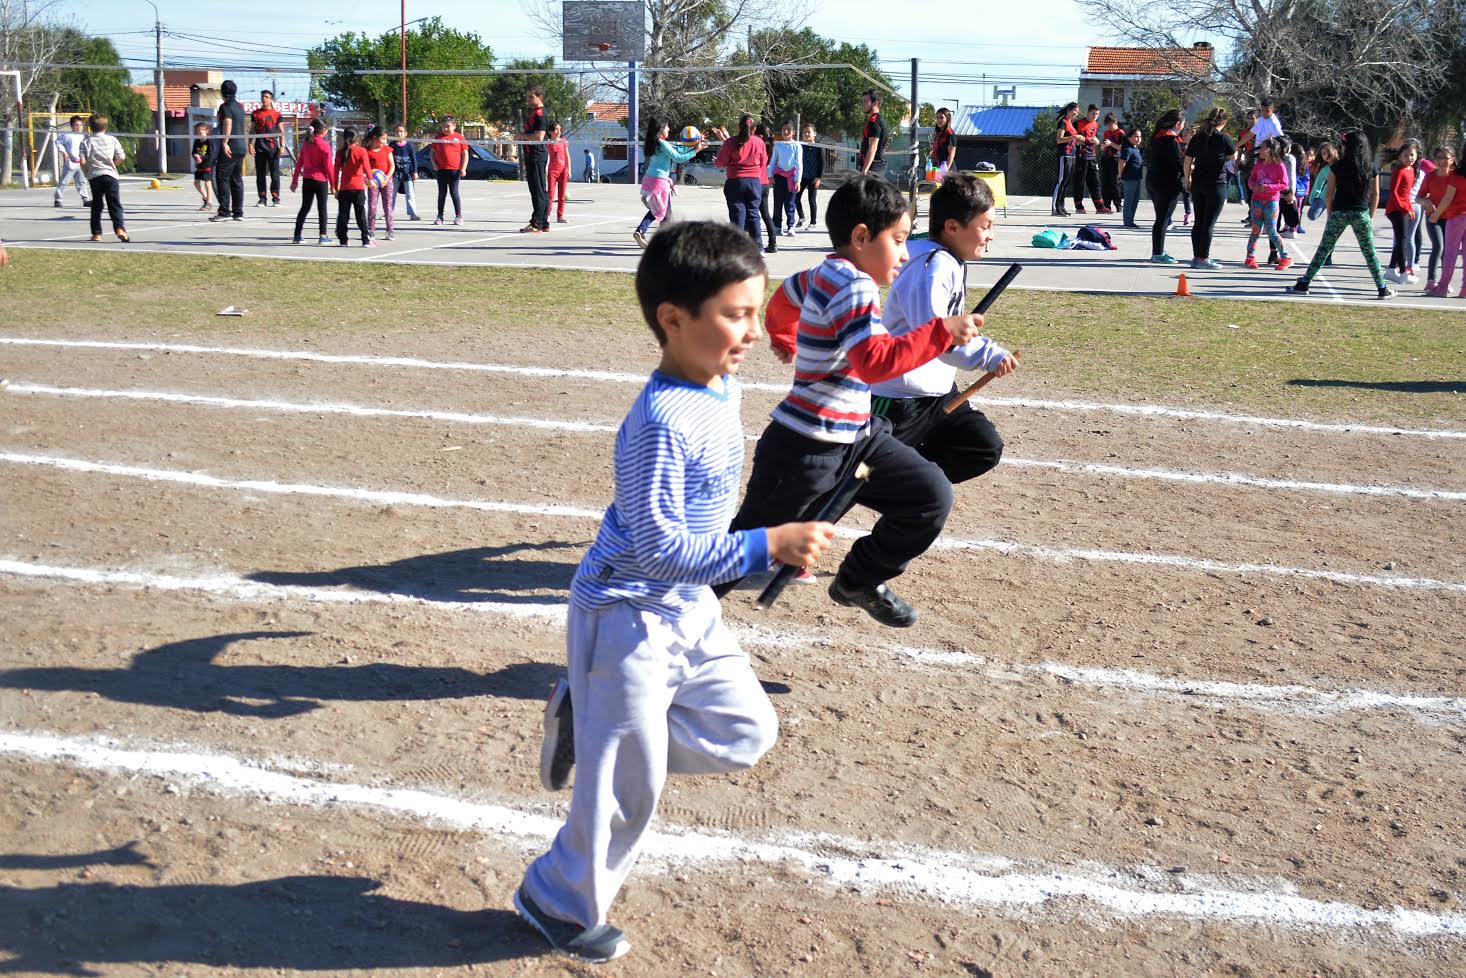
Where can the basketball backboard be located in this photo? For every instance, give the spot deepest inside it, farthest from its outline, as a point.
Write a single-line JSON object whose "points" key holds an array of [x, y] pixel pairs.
{"points": [[603, 30]]}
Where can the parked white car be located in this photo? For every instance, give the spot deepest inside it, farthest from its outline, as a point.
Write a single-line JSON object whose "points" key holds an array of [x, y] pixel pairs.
{"points": [[700, 172]]}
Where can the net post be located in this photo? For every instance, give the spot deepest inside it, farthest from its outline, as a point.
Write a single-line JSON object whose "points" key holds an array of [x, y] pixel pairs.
{"points": [[633, 124], [915, 157]]}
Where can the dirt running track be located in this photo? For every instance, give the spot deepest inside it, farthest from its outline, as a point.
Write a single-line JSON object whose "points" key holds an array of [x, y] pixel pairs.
{"points": [[214, 696]]}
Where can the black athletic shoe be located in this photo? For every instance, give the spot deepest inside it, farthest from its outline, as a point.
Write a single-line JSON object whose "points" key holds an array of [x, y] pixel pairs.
{"points": [[1300, 287], [880, 602], [596, 944], [557, 753]]}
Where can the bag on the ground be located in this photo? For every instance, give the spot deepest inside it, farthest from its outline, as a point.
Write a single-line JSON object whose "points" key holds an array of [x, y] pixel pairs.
{"points": [[1050, 238], [1097, 235]]}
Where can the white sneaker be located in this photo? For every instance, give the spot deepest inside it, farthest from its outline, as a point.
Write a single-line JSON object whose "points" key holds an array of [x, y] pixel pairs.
{"points": [[1411, 278], [788, 232], [1393, 276]]}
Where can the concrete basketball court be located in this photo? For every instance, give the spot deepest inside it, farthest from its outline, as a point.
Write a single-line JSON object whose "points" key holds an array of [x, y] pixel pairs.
{"points": [[598, 238]]}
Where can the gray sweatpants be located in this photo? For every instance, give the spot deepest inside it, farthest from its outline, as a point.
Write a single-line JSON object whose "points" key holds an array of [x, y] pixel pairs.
{"points": [[71, 173], [651, 696]]}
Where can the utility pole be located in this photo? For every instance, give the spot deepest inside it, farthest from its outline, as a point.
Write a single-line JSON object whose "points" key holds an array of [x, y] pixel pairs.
{"points": [[915, 155], [158, 87], [404, 66], [633, 122]]}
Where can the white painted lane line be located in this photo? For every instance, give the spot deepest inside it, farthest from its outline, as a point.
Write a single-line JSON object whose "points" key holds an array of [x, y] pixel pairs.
{"points": [[1142, 410], [1288, 699], [584, 427], [289, 407], [1005, 547], [971, 882]]}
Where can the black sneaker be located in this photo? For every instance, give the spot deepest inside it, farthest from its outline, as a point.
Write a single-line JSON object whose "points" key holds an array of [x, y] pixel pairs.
{"points": [[1300, 287], [596, 944], [880, 602], [557, 753]]}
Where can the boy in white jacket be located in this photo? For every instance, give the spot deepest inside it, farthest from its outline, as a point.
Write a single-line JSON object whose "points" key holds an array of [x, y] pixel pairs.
{"points": [[964, 444], [68, 147]]}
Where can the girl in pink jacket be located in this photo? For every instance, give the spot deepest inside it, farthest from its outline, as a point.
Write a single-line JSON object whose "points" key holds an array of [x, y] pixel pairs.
{"points": [[1268, 181], [314, 165]]}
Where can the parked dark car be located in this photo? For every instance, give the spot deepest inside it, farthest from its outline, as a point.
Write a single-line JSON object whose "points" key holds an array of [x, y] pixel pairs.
{"points": [[482, 165], [614, 171]]}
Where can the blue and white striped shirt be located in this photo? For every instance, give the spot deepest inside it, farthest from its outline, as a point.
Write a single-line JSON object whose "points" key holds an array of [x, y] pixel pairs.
{"points": [[665, 537]]}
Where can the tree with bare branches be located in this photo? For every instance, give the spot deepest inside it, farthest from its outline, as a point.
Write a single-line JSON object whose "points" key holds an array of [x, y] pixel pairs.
{"points": [[31, 33], [1323, 61]]}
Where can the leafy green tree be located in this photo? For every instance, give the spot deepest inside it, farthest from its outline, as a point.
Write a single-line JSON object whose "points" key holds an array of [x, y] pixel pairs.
{"points": [[926, 115], [430, 45], [829, 98], [1039, 155], [504, 94], [106, 92], [1146, 105]]}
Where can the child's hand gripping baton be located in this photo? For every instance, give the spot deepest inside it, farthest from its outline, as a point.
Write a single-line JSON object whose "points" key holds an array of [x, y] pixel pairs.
{"points": [[832, 510], [983, 306]]}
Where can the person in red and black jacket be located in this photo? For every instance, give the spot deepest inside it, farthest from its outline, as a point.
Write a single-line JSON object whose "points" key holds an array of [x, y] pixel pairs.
{"points": [[1086, 162], [1065, 136], [944, 147], [872, 157], [1166, 180], [264, 125], [536, 162], [1112, 142]]}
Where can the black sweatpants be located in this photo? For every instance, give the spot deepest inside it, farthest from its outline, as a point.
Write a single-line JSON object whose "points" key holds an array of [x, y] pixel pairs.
{"points": [[536, 167], [808, 187], [1086, 177], [351, 200], [1110, 180], [267, 165], [448, 184], [105, 190], [763, 212], [1164, 202], [229, 184], [794, 475], [1209, 198], [964, 444], [312, 192]]}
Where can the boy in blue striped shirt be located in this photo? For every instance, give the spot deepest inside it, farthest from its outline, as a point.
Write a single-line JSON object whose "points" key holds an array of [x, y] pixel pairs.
{"points": [[670, 692]]}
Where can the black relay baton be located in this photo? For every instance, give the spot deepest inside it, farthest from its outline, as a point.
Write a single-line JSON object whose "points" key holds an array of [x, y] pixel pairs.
{"points": [[982, 307], [829, 512]]}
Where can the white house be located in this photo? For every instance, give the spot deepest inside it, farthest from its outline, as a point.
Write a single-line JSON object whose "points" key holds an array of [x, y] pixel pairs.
{"points": [[1112, 75]]}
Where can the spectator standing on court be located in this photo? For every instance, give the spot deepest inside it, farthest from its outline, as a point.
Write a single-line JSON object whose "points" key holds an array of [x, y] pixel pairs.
{"points": [[450, 163], [203, 165], [1112, 143], [558, 170], [872, 158], [1066, 136], [1086, 166], [537, 161], [1207, 155], [1166, 177], [588, 169], [101, 155], [813, 168], [404, 171], [944, 147], [69, 145], [265, 126], [313, 165], [229, 167], [1133, 168]]}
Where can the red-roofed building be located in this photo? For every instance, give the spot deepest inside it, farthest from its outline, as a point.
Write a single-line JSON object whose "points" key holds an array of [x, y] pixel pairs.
{"points": [[608, 111], [1110, 74]]}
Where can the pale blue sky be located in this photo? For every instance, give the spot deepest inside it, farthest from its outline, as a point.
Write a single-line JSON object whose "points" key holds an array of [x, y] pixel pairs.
{"points": [[1040, 53]]}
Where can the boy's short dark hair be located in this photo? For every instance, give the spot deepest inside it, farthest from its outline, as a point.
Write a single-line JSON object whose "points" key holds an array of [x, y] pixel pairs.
{"points": [[228, 89], [97, 123], [76, 118], [689, 262], [1266, 103], [1092, 108], [266, 91], [537, 91], [960, 198], [866, 200], [873, 95]]}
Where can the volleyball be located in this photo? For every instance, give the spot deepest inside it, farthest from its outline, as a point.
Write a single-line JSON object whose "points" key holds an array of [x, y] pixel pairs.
{"points": [[691, 135], [379, 179]]}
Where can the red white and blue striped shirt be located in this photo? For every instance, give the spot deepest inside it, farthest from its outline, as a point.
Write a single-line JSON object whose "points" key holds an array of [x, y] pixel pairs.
{"points": [[831, 316]]}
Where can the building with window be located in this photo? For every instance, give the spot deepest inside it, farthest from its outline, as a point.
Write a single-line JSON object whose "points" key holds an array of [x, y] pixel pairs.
{"points": [[1111, 76]]}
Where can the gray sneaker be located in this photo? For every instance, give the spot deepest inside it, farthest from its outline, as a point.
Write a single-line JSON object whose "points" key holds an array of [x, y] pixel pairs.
{"points": [[880, 602], [595, 944], [557, 753]]}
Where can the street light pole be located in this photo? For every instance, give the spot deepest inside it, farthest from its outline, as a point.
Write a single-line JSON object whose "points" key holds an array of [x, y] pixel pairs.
{"points": [[404, 64], [158, 88]]}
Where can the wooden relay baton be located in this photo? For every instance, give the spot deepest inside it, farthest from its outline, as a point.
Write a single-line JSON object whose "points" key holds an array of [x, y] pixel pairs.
{"points": [[982, 307], [832, 510]]}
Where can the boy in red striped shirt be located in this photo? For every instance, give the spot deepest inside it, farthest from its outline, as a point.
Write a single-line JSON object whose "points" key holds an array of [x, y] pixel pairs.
{"points": [[827, 321]]}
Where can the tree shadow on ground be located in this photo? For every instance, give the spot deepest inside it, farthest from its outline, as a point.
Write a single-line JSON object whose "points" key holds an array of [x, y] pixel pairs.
{"points": [[1395, 386], [124, 855], [473, 574], [305, 923], [183, 675]]}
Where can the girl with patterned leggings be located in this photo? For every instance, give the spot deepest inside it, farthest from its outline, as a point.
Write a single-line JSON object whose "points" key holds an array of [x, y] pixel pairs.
{"points": [[1352, 196], [1268, 181]]}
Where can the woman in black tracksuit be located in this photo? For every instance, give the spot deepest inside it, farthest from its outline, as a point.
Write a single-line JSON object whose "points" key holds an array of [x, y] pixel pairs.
{"points": [[1165, 173]]}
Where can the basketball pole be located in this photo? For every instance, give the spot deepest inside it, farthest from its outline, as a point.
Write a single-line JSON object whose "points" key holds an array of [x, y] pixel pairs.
{"points": [[633, 124], [915, 156]]}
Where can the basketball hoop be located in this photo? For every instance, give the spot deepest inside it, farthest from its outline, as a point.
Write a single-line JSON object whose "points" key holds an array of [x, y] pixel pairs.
{"points": [[601, 46]]}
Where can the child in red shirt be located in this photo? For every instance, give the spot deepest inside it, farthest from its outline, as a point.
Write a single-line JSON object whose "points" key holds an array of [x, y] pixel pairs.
{"points": [[1432, 192], [379, 158], [1400, 209], [352, 169], [1452, 211], [559, 168], [450, 163]]}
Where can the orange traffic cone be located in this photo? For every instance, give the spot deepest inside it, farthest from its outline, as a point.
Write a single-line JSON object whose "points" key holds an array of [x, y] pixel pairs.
{"points": [[1181, 287]]}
